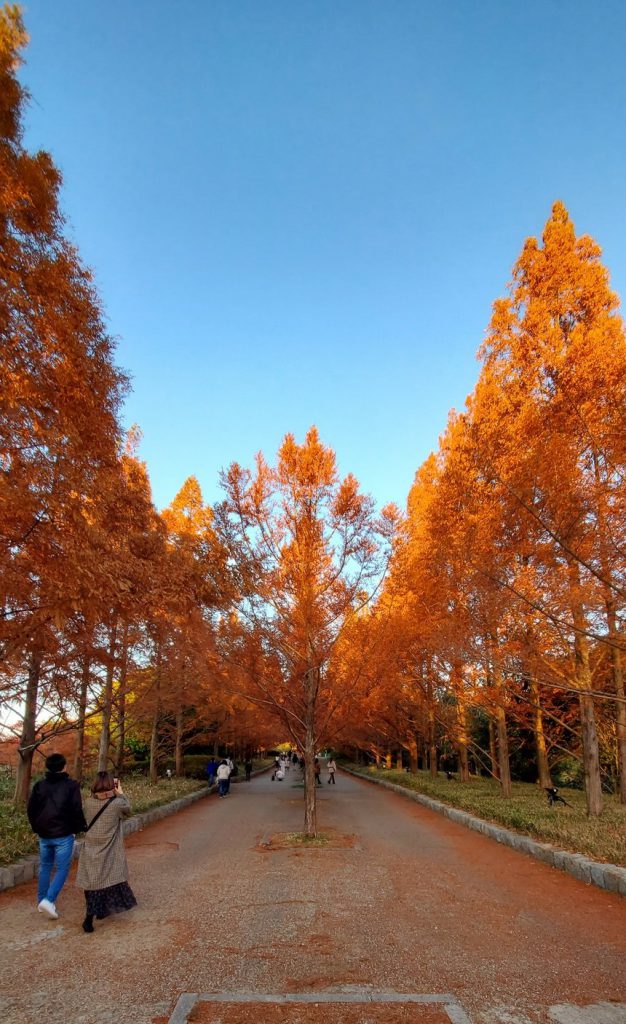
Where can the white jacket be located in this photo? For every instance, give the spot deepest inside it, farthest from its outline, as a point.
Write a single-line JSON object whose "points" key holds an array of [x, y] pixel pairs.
{"points": [[223, 772]]}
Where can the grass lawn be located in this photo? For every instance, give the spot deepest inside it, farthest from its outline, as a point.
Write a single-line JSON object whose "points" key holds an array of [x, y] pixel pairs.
{"points": [[527, 811], [17, 840]]}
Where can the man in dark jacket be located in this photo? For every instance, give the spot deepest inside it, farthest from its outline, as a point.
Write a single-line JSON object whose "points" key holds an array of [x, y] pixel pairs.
{"points": [[55, 812]]}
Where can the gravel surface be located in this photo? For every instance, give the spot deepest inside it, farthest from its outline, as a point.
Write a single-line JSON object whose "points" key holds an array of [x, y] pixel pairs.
{"points": [[411, 903]]}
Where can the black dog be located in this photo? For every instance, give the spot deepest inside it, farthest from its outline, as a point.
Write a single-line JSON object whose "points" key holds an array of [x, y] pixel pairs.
{"points": [[554, 798]]}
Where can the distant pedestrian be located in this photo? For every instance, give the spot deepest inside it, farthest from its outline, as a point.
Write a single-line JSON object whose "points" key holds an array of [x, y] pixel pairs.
{"points": [[211, 770], [223, 778], [102, 868], [55, 813], [248, 769], [332, 768], [318, 771]]}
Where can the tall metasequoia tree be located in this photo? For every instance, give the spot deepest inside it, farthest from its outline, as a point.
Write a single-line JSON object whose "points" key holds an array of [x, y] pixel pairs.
{"points": [[461, 521], [59, 396], [308, 552], [133, 554], [197, 588], [547, 429]]}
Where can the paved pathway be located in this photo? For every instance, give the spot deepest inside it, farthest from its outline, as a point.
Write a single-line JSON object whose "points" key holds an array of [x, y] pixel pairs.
{"points": [[413, 903]]}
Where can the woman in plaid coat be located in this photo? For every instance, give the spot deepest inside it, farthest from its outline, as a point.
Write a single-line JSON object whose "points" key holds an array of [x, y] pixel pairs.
{"points": [[102, 867]]}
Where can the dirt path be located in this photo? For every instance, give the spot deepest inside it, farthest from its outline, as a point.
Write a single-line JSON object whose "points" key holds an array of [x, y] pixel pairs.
{"points": [[413, 904]]}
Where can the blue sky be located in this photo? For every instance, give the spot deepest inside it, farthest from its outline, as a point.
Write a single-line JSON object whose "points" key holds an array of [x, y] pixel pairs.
{"points": [[300, 212]]}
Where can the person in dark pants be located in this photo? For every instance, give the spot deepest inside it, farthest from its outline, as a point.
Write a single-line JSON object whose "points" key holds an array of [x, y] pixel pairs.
{"points": [[55, 813], [318, 771], [211, 770], [223, 778], [332, 768], [248, 768]]}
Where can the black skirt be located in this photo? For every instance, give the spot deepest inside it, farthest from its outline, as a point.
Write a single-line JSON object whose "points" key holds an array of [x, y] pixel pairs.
{"points": [[112, 900]]}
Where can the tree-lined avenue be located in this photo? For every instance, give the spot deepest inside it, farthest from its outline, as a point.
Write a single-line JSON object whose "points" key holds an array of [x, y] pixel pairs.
{"points": [[415, 904]]}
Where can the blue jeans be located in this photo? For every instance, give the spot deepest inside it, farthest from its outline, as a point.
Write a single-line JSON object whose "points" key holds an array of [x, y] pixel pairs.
{"points": [[223, 786], [55, 853]]}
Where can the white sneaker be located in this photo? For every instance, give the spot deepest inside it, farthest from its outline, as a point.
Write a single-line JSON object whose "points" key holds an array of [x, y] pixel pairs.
{"points": [[46, 907]]}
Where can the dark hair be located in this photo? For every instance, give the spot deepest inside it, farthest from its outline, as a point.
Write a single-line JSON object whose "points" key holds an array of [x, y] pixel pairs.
{"points": [[55, 763], [103, 782]]}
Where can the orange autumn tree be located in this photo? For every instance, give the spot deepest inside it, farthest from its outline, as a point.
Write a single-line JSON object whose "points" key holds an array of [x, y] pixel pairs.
{"points": [[307, 551], [197, 588], [546, 425], [515, 533], [60, 394]]}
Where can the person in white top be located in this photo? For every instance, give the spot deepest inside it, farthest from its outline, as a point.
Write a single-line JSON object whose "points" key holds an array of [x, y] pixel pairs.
{"points": [[223, 778], [332, 768]]}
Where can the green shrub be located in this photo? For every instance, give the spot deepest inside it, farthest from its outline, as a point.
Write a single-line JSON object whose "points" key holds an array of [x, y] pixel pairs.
{"points": [[569, 772]]}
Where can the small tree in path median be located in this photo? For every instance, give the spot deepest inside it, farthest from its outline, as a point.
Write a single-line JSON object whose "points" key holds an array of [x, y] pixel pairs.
{"points": [[308, 552]]}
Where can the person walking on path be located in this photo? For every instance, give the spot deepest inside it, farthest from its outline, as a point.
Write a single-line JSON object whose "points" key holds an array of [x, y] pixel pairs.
{"points": [[318, 771], [332, 768], [55, 813], [102, 868], [248, 769], [211, 769], [223, 778]]}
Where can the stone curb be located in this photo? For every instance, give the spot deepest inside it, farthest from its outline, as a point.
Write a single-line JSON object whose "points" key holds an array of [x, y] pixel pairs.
{"points": [[27, 869], [610, 877]]}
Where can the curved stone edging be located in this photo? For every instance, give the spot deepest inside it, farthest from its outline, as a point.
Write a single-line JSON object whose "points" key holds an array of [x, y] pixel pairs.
{"points": [[27, 869], [605, 876]]}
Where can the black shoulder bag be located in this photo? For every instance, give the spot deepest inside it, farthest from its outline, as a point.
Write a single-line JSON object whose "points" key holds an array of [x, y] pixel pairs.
{"points": [[101, 811]]}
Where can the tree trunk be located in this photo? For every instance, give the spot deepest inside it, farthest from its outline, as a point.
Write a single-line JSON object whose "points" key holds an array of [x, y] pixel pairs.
{"points": [[613, 631], [493, 756], [154, 737], [591, 759], [543, 768], [582, 671], [504, 768], [399, 760], [461, 724], [121, 702], [503, 753], [432, 750], [82, 711], [620, 704], [26, 748], [178, 753], [413, 754], [154, 744], [107, 702], [311, 682]]}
